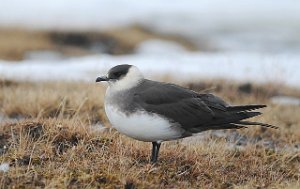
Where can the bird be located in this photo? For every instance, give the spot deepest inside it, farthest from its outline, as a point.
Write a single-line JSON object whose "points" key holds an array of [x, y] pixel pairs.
{"points": [[153, 111]]}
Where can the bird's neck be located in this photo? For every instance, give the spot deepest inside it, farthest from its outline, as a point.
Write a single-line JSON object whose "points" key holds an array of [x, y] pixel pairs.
{"points": [[124, 84]]}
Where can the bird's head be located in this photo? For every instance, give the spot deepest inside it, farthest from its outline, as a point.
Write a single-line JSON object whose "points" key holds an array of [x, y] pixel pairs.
{"points": [[122, 77]]}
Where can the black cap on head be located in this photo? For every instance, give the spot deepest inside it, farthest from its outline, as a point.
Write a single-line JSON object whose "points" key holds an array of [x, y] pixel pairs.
{"points": [[115, 73], [118, 71]]}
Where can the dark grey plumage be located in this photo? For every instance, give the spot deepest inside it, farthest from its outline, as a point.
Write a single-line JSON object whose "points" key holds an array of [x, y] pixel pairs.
{"points": [[194, 112]]}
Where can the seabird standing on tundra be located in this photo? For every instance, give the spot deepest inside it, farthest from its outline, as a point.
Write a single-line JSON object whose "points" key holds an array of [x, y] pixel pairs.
{"points": [[154, 112]]}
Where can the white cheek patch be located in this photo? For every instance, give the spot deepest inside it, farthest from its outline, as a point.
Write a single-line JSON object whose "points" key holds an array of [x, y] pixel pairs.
{"points": [[131, 79]]}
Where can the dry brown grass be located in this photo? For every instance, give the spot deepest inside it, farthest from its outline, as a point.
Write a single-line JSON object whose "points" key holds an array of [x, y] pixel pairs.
{"points": [[15, 43], [56, 146], [134, 35], [50, 100]]}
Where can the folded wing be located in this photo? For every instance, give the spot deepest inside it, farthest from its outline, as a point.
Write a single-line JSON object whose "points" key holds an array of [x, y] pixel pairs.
{"points": [[194, 112]]}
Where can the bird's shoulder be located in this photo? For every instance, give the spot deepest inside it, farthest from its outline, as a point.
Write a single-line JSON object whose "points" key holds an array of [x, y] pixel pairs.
{"points": [[157, 93], [154, 92]]}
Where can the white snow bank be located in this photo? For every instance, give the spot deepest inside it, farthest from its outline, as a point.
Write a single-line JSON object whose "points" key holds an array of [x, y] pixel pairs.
{"points": [[181, 67], [286, 100], [110, 13], [159, 47], [225, 24]]}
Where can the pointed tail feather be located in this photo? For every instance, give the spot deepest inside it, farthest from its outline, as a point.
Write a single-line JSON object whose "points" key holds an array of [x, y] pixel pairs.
{"points": [[256, 123], [216, 127], [244, 108], [234, 118], [228, 126]]}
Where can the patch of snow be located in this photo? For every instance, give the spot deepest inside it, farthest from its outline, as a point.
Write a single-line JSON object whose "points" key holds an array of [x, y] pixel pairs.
{"points": [[252, 67], [2, 118], [159, 47], [43, 55], [98, 127], [286, 100], [243, 25], [4, 167]]}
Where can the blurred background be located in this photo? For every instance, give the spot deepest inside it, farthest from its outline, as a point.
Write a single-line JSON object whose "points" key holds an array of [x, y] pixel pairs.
{"points": [[250, 40]]}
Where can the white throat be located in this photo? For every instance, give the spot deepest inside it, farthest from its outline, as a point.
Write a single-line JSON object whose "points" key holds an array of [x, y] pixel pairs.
{"points": [[132, 79]]}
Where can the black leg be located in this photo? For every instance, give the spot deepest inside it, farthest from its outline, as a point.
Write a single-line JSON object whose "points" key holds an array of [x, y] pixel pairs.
{"points": [[155, 151]]}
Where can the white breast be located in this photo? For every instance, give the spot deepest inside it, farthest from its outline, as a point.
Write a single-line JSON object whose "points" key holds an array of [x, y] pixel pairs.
{"points": [[142, 126]]}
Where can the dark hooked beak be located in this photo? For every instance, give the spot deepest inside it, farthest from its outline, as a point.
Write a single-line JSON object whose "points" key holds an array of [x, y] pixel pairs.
{"points": [[102, 78]]}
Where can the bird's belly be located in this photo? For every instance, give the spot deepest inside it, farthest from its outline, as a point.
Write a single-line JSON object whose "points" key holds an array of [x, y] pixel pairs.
{"points": [[142, 126]]}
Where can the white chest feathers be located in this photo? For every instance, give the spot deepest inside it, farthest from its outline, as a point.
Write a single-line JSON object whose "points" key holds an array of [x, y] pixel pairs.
{"points": [[142, 125]]}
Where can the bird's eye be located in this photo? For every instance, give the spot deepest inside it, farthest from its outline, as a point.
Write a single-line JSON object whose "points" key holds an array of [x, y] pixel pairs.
{"points": [[118, 74]]}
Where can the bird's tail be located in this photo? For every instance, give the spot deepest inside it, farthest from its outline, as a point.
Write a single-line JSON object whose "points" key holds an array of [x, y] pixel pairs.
{"points": [[245, 112], [245, 123], [235, 119], [237, 125], [244, 108]]}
